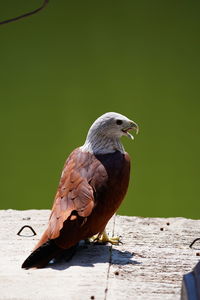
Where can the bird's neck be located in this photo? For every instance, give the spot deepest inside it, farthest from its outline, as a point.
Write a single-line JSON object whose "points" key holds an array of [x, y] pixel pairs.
{"points": [[102, 144]]}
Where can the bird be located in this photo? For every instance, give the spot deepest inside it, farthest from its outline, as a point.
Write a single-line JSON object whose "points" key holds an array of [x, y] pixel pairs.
{"points": [[93, 183]]}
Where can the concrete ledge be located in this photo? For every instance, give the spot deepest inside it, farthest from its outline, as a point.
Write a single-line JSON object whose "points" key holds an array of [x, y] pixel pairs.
{"points": [[150, 263]]}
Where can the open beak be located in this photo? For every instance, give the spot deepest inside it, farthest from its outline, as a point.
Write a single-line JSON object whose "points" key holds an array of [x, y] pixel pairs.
{"points": [[133, 126]]}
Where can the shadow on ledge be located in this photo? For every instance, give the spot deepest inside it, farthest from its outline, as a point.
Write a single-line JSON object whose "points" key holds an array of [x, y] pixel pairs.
{"points": [[89, 255]]}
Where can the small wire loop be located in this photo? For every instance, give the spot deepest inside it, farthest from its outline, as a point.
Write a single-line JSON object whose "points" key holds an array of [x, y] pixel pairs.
{"points": [[26, 226], [198, 239]]}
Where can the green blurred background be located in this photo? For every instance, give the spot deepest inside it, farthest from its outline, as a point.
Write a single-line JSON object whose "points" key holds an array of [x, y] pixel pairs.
{"points": [[75, 60]]}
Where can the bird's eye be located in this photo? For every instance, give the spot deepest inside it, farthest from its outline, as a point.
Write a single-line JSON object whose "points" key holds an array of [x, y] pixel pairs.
{"points": [[119, 122]]}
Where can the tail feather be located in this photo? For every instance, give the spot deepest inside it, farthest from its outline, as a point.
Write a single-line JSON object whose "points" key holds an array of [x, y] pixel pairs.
{"points": [[40, 257]]}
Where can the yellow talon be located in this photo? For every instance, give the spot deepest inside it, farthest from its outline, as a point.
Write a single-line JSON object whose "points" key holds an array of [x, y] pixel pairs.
{"points": [[103, 238]]}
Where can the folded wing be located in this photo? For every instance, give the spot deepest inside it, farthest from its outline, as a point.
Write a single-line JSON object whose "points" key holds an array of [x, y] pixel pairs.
{"points": [[74, 196]]}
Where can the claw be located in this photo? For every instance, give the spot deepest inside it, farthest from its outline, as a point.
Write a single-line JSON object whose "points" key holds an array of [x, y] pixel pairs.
{"points": [[103, 238]]}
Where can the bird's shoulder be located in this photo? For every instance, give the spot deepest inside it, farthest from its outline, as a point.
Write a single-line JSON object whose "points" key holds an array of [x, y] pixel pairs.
{"points": [[83, 164]]}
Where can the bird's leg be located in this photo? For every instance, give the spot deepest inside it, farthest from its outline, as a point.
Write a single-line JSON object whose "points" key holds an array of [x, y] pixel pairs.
{"points": [[103, 238], [92, 239]]}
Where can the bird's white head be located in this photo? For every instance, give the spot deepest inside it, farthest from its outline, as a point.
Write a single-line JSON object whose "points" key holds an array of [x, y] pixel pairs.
{"points": [[104, 134]]}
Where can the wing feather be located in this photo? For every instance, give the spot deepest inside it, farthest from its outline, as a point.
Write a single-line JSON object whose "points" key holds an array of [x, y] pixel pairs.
{"points": [[74, 193]]}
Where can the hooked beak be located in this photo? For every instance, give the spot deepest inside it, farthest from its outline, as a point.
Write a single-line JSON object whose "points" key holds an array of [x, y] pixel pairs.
{"points": [[133, 126]]}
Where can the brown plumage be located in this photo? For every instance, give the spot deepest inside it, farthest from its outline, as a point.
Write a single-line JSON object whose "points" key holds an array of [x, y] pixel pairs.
{"points": [[92, 187]]}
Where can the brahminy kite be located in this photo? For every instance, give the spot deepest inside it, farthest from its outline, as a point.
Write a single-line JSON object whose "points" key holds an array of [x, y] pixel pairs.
{"points": [[93, 184]]}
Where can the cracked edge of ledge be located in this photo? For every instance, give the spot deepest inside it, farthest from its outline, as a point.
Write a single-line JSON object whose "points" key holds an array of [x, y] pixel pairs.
{"points": [[110, 260]]}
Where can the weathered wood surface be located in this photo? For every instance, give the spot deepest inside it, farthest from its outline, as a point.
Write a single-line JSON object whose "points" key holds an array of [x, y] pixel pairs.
{"points": [[148, 265]]}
